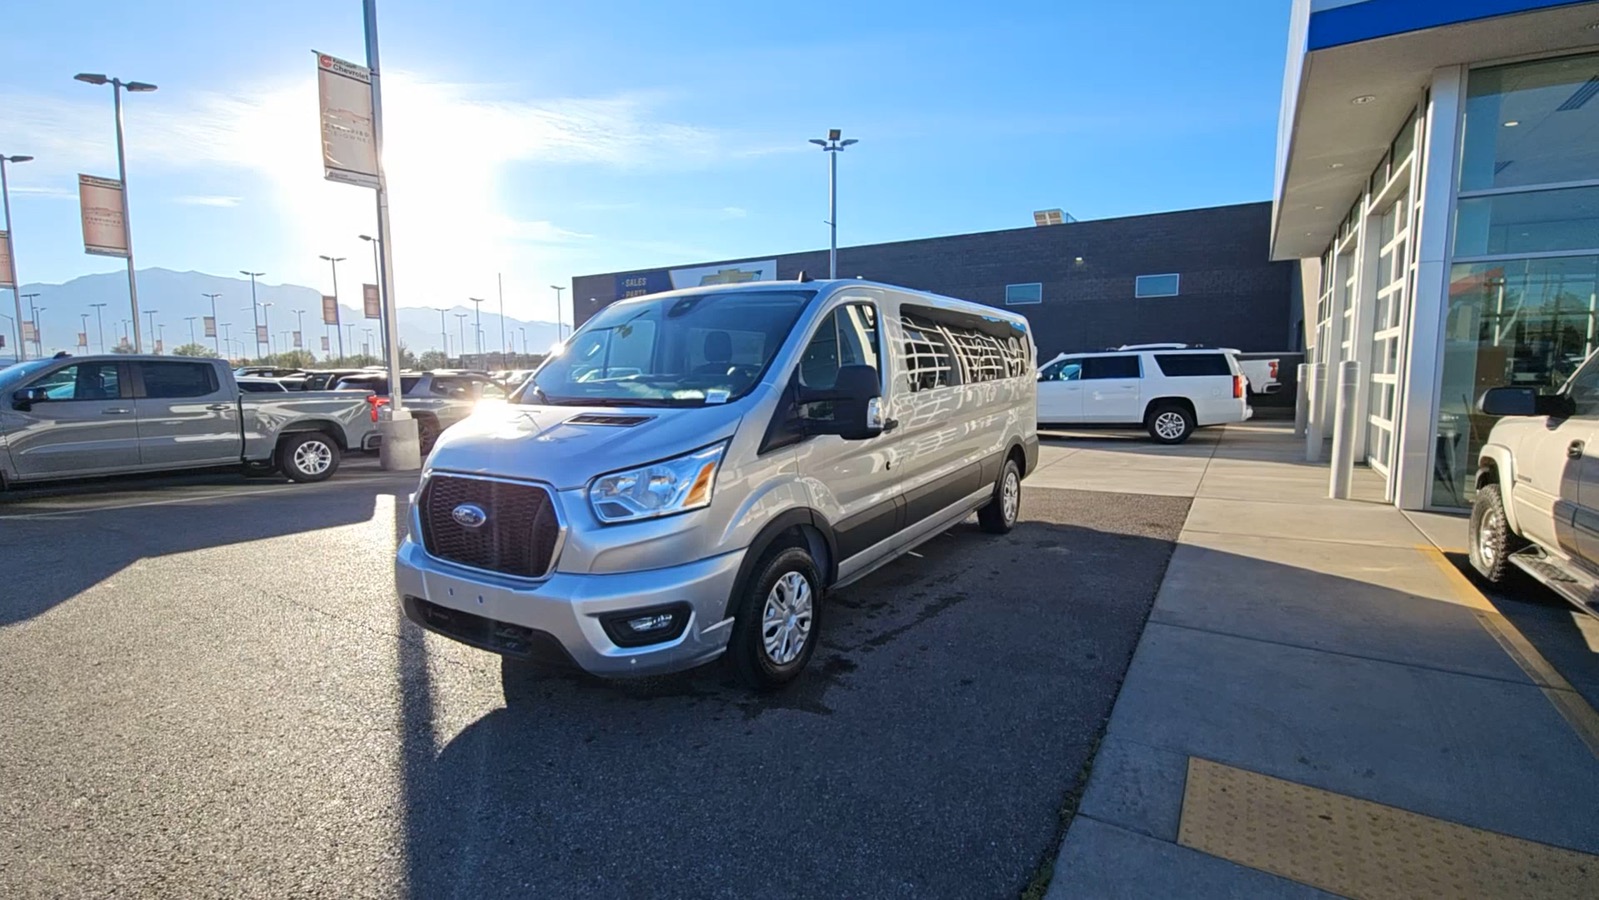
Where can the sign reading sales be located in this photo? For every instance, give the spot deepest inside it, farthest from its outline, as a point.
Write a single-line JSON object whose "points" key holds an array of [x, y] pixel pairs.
{"points": [[349, 150], [105, 233]]}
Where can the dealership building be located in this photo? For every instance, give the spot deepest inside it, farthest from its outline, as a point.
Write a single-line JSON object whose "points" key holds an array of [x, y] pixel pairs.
{"points": [[1195, 276], [1438, 174]]}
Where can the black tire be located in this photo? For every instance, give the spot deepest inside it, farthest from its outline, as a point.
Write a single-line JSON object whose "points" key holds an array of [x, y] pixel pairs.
{"points": [[308, 457], [1169, 423], [1492, 541], [747, 649], [1000, 516], [427, 434]]}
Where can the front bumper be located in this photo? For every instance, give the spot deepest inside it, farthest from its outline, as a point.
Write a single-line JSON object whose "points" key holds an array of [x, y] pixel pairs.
{"points": [[561, 614]]}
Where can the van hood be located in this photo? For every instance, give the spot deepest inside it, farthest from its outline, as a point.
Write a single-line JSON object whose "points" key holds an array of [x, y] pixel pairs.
{"points": [[566, 446]]}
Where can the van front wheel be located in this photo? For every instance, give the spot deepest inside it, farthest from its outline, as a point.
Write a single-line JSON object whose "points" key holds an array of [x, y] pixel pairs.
{"points": [[775, 626], [1000, 515]]}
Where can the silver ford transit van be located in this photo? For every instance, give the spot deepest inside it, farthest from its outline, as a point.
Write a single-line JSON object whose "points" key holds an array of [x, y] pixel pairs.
{"points": [[693, 472]]}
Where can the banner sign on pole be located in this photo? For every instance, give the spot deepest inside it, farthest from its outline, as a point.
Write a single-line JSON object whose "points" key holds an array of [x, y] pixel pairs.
{"points": [[210, 326], [369, 297], [297, 344], [104, 231], [83, 339], [158, 347], [29, 333], [2, 342], [5, 261], [260, 334], [349, 153], [324, 343], [330, 310]]}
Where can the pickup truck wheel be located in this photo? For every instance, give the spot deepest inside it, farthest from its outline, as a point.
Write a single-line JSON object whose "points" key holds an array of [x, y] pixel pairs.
{"points": [[1169, 423], [307, 457], [775, 626], [1492, 541]]}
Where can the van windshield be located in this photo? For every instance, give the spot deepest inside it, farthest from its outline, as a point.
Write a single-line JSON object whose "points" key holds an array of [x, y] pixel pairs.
{"points": [[681, 350]]}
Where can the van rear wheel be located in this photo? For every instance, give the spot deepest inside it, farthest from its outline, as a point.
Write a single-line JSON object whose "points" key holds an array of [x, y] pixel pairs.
{"points": [[1000, 515], [775, 626]]}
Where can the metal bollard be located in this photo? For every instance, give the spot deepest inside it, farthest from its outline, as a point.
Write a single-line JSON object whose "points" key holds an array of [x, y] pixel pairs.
{"points": [[1313, 396], [1302, 401], [1343, 439]]}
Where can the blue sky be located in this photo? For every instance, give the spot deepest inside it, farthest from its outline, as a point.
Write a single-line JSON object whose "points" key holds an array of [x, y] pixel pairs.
{"points": [[546, 140]]}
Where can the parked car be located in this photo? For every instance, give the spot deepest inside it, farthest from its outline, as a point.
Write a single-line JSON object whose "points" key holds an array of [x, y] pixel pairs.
{"points": [[268, 372], [436, 400], [1537, 501], [323, 379], [113, 414], [254, 384], [1169, 391], [768, 443]]}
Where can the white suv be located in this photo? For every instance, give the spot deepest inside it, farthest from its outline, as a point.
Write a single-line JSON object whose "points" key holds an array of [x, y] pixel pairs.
{"points": [[1168, 389]]}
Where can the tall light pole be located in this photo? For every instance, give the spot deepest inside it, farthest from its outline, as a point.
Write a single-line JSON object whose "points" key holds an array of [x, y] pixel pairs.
{"points": [[350, 327], [500, 278], [151, 313], [266, 323], [477, 303], [11, 248], [126, 323], [33, 313], [833, 146], [137, 87], [227, 338], [444, 331], [377, 277], [215, 334], [560, 330], [84, 320], [299, 325], [255, 311], [524, 338], [366, 349], [460, 321], [190, 320], [337, 324], [160, 335], [99, 323]]}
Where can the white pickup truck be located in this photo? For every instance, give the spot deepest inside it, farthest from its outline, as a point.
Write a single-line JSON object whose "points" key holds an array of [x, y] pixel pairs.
{"points": [[69, 417], [1537, 502]]}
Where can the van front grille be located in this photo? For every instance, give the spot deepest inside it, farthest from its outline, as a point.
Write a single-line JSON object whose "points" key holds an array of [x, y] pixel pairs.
{"points": [[517, 534]]}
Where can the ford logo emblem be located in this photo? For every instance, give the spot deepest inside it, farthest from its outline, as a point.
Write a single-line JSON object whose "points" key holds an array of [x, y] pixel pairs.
{"points": [[469, 515]]}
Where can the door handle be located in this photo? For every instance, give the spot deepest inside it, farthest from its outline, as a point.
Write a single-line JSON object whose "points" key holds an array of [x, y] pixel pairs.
{"points": [[1574, 450], [220, 406], [115, 411]]}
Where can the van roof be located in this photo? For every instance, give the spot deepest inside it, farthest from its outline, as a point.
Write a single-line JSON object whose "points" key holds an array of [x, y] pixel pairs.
{"points": [[826, 286]]}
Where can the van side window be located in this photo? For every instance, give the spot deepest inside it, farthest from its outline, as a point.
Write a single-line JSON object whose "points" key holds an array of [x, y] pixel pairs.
{"points": [[928, 361], [847, 337], [1111, 367]]}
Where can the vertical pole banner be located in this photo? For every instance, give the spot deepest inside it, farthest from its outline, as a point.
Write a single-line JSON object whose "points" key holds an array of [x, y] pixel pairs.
{"points": [[324, 343], [260, 334], [369, 299], [210, 326], [105, 232], [297, 343], [330, 310], [6, 281], [349, 153]]}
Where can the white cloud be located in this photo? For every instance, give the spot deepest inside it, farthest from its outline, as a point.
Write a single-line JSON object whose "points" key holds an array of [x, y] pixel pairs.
{"points": [[447, 148], [207, 200]]}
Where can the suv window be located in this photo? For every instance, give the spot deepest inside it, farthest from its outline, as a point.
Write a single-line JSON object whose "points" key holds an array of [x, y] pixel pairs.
{"points": [[1111, 367], [1188, 365], [1062, 370], [173, 380], [847, 337], [82, 381]]}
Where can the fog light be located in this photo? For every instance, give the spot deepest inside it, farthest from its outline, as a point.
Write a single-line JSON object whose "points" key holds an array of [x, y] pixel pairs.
{"points": [[651, 625]]}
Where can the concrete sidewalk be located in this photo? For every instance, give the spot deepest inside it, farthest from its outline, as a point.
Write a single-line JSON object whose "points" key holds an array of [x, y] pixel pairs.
{"points": [[1321, 704]]}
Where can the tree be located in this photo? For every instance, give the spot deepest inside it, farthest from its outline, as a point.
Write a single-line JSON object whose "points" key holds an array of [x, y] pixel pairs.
{"points": [[122, 347], [193, 350], [432, 359], [408, 359]]}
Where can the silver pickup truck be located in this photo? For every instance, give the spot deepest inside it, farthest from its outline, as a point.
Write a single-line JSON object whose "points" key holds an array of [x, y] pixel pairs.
{"points": [[107, 415]]}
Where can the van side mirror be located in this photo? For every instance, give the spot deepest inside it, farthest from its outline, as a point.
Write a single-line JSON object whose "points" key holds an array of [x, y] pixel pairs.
{"points": [[1521, 401], [24, 399], [857, 412]]}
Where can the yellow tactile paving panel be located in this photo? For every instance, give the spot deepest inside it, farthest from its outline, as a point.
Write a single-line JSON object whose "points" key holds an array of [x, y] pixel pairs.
{"points": [[1366, 850]]}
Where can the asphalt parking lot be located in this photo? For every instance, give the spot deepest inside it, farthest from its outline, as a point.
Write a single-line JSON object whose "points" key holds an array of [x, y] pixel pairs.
{"points": [[210, 692]]}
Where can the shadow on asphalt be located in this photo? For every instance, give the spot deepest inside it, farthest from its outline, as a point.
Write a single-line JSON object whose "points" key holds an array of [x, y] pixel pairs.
{"points": [[51, 561], [909, 760]]}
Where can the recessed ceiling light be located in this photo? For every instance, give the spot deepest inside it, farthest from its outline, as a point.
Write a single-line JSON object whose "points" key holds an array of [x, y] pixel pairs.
{"points": [[1321, 207], [1363, 99], [1512, 123], [1336, 166]]}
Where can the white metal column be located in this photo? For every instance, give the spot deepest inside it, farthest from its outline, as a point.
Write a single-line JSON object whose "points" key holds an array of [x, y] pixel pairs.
{"points": [[1417, 437]]}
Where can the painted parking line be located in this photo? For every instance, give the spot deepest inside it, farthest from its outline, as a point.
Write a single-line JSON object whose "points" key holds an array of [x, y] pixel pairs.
{"points": [[1571, 705], [1358, 848]]}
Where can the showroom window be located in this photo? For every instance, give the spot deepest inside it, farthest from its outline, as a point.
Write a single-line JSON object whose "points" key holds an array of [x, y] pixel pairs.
{"points": [[1155, 286], [1023, 294], [1524, 278]]}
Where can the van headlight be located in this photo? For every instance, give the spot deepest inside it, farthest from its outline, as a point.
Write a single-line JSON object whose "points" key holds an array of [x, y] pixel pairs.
{"points": [[658, 489]]}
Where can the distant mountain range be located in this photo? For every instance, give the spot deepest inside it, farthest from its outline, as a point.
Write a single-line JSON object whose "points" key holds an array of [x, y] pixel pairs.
{"points": [[175, 296]]}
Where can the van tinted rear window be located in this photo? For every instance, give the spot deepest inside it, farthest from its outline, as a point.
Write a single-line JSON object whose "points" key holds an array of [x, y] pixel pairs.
{"points": [[1185, 365]]}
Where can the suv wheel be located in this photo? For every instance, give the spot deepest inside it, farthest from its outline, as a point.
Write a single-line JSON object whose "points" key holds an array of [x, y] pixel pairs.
{"points": [[775, 627], [1492, 541], [1000, 515], [307, 457], [1169, 423]]}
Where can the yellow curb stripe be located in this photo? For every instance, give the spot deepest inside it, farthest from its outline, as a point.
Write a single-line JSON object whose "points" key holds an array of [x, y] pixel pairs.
{"points": [[1362, 849], [1571, 705]]}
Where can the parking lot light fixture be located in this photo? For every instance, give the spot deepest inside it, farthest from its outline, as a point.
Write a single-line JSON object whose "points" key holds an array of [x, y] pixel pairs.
{"points": [[117, 87], [16, 286]]}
